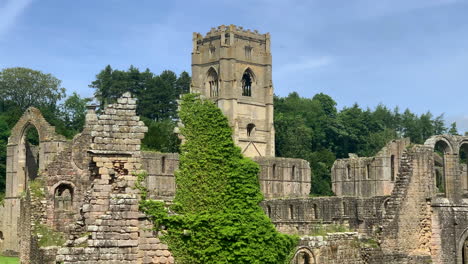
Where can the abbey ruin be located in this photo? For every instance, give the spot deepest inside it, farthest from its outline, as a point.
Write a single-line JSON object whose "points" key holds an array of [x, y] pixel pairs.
{"points": [[407, 204]]}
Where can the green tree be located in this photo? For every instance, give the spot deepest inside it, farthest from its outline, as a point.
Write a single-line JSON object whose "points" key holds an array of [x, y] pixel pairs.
{"points": [[453, 129], [218, 219], [74, 112], [23, 87]]}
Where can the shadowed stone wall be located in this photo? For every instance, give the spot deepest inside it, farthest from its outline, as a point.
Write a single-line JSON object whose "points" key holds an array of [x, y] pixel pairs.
{"points": [[368, 176]]}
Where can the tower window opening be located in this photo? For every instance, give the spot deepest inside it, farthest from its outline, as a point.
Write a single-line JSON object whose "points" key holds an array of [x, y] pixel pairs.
{"points": [[293, 172], [247, 84], [250, 129], [248, 52], [368, 171], [213, 83], [274, 171]]}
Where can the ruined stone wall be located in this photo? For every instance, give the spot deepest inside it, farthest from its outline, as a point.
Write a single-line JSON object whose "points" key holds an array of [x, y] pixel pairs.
{"points": [[334, 248], [368, 176], [2, 236], [160, 168], [284, 177], [408, 227], [304, 216]]}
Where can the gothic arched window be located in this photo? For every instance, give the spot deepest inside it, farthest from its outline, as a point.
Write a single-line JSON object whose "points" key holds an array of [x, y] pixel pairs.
{"points": [[247, 80], [212, 82]]}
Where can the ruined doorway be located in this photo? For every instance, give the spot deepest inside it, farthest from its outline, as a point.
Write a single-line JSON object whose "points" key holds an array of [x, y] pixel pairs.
{"points": [[304, 256]]}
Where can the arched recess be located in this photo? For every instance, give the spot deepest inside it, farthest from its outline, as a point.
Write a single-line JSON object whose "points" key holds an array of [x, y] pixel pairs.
{"points": [[248, 79], [212, 82], [463, 156], [304, 256], [462, 248], [63, 197]]}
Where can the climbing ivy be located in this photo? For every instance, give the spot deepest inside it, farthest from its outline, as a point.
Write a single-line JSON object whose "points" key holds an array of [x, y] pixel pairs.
{"points": [[216, 217]]}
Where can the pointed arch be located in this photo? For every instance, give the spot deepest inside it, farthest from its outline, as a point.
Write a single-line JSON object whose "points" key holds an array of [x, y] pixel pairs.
{"points": [[248, 78], [212, 82]]}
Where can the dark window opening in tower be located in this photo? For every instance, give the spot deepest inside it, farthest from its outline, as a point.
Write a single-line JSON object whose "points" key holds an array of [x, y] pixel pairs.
{"points": [[163, 164], [247, 84], [291, 212], [250, 129]]}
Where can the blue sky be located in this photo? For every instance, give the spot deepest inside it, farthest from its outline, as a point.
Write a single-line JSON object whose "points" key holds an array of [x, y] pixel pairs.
{"points": [[407, 53]]}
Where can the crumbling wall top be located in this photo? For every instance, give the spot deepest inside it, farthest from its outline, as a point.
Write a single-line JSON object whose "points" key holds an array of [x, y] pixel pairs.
{"points": [[215, 31]]}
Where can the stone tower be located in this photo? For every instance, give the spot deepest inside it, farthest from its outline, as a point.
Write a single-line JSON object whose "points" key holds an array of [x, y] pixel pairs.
{"points": [[232, 66]]}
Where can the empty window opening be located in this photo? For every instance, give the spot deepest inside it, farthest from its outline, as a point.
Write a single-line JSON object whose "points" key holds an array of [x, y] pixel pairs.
{"points": [[315, 211], [269, 211], [1, 236], [348, 172], [31, 152], [248, 52], [247, 83], [464, 165], [273, 168], [293, 172], [163, 164], [392, 168], [291, 212], [368, 172], [213, 83], [63, 197], [250, 129], [440, 149], [345, 208]]}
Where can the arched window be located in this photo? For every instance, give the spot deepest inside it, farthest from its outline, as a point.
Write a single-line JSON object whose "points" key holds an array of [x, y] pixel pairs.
{"points": [[212, 83], [250, 129], [31, 151], [293, 172], [63, 197], [440, 149], [392, 168], [163, 164], [247, 80]]}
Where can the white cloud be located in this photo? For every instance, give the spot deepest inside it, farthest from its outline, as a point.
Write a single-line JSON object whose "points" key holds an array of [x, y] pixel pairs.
{"points": [[9, 12]]}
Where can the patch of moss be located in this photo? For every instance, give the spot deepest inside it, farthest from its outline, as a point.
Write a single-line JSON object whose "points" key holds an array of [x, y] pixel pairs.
{"points": [[36, 187]]}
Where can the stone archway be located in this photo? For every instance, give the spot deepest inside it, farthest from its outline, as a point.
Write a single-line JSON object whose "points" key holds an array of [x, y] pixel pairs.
{"points": [[304, 256], [23, 164]]}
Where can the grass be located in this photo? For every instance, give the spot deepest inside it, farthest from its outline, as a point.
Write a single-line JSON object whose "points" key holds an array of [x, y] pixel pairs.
{"points": [[9, 260]]}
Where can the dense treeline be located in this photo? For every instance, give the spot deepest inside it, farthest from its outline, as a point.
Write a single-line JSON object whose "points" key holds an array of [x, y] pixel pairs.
{"points": [[313, 129]]}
